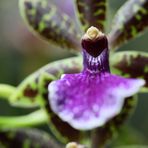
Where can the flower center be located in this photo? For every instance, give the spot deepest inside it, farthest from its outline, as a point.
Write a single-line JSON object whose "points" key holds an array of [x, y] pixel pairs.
{"points": [[95, 50], [94, 41]]}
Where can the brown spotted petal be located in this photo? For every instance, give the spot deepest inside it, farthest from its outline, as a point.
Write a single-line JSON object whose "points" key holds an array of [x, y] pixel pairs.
{"points": [[92, 13], [129, 22], [130, 64], [26, 138], [50, 23], [33, 90]]}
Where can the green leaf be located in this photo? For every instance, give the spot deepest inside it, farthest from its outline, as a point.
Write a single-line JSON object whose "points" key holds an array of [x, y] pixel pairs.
{"points": [[26, 138], [129, 22], [50, 23], [92, 13], [131, 64]]}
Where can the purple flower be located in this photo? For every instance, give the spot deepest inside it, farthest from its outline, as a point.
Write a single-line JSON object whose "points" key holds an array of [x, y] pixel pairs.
{"points": [[91, 98]]}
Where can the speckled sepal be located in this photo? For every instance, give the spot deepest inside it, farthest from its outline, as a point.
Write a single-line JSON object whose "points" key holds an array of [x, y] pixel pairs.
{"points": [[33, 91], [27, 138], [131, 64], [129, 22], [92, 13], [49, 22]]}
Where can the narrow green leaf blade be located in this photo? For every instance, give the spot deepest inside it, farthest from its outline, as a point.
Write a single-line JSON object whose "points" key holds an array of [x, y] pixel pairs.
{"points": [[92, 13], [50, 23], [131, 64], [130, 21], [20, 138]]}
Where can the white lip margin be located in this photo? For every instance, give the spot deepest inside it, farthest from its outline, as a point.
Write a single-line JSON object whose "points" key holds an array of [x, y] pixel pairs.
{"points": [[88, 125]]}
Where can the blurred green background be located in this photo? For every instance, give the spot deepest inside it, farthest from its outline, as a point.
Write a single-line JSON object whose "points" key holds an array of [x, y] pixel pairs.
{"points": [[21, 53]]}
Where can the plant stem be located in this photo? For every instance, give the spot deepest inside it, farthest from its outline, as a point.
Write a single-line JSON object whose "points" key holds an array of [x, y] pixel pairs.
{"points": [[35, 118], [6, 91]]}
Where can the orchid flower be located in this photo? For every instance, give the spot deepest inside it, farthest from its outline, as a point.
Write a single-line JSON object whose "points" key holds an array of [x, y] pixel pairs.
{"points": [[78, 99], [91, 98]]}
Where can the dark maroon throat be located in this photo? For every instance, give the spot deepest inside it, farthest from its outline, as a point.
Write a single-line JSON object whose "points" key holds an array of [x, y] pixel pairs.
{"points": [[95, 47]]}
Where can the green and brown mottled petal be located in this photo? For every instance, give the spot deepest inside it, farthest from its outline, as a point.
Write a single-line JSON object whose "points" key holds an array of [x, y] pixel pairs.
{"points": [[129, 22], [33, 90], [130, 64], [92, 13], [63, 132], [46, 19], [26, 138], [38, 82]]}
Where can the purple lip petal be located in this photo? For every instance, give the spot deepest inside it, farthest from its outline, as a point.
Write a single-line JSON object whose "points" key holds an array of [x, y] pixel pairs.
{"points": [[87, 100]]}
